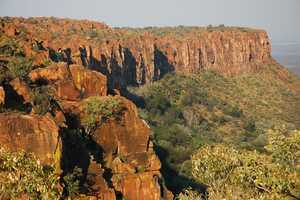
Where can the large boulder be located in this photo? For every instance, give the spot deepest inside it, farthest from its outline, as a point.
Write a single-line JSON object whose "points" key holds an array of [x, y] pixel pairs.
{"points": [[73, 82], [52, 73], [34, 134], [128, 152], [146, 185], [126, 135], [90, 83]]}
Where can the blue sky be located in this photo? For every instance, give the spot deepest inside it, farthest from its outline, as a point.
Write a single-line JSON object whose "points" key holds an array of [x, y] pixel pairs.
{"points": [[279, 17]]}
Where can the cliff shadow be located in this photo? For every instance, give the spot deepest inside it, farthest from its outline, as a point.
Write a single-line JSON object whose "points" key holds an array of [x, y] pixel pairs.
{"points": [[14, 101], [162, 66], [130, 76], [81, 152], [175, 182], [62, 55], [120, 77], [83, 56], [129, 68], [94, 63]]}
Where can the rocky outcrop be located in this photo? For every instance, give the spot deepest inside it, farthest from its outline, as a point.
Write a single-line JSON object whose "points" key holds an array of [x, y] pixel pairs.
{"points": [[124, 164], [127, 151], [31, 133], [127, 155], [52, 73]]}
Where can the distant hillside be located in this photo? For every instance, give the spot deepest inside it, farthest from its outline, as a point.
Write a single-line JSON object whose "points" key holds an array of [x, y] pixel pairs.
{"points": [[296, 70], [288, 55]]}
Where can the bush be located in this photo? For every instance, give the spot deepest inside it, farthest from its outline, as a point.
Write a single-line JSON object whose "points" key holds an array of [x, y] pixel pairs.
{"points": [[189, 194], [157, 104], [250, 125], [41, 99], [233, 111], [20, 67], [9, 47], [284, 149], [21, 174], [72, 182], [230, 173], [98, 109]]}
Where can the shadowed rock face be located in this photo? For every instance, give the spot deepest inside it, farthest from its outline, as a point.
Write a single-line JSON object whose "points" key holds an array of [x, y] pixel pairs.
{"points": [[21, 88]]}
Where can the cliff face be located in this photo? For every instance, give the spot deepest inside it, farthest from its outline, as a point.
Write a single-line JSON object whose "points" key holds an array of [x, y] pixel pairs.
{"points": [[135, 57]]}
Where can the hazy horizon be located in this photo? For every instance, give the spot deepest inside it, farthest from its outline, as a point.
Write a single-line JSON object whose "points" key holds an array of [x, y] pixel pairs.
{"points": [[279, 18]]}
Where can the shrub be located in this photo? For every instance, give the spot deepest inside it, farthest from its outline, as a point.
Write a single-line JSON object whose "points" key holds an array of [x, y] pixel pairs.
{"points": [[157, 104], [189, 194], [233, 111], [20, 67], [98, 109], [41, 99], [230, 173], [9, 47], [21, 174], [284, 149], [250, 125], [72, 182]]}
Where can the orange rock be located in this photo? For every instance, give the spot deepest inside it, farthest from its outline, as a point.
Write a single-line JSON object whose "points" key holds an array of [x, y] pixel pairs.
{"points": [[138, 186], [126, 136], [2, 95], [98, 184], [127, 152], [91, 83], [52, 73], [66, 90], [59, 118], [72, 83], [32, 133]]}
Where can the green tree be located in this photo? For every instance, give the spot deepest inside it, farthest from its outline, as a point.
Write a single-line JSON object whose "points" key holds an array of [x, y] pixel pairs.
{"points": [[98, 109]]}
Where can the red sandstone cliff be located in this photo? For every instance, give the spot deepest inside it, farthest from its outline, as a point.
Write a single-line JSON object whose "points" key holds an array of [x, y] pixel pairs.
{"points": [[133, 57]]}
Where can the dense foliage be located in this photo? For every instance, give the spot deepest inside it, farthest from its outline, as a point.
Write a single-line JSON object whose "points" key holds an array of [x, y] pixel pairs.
{"points": [[98, 109], [241, 174], [21, 175]]}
